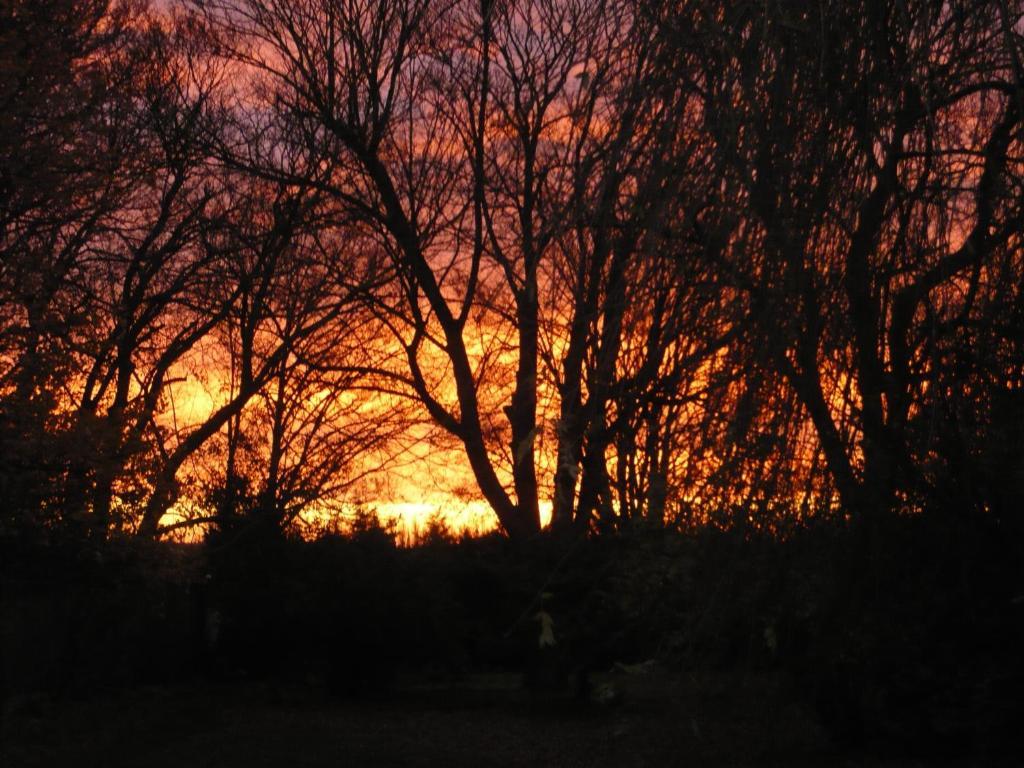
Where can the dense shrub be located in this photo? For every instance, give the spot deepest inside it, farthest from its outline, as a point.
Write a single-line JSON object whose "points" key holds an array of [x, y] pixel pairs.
{"points": [[905, 636]]}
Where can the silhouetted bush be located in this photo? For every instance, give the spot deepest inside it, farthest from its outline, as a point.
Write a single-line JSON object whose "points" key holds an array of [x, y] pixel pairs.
{"points": [[902, 637]]}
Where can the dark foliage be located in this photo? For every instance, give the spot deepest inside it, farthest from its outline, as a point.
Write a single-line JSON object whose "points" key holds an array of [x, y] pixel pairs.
{"points": [[901, 640]]}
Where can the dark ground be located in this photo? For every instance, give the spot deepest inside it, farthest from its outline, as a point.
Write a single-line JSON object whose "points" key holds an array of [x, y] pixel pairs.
{"points": [[726, 722], [483, 719], [814, 650]]}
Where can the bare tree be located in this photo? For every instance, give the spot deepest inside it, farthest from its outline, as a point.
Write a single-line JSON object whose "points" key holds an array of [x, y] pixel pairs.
{"points": [[290, 288], [866, 152], [104, 201], [494, 150], [309, 436]]}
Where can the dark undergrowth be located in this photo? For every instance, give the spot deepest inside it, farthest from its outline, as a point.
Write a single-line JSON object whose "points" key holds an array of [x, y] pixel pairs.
{"points": [[900, 642]]}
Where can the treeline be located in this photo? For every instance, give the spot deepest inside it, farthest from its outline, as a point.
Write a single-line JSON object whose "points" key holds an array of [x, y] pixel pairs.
{"points": [[671, 262], [782, 651]]}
